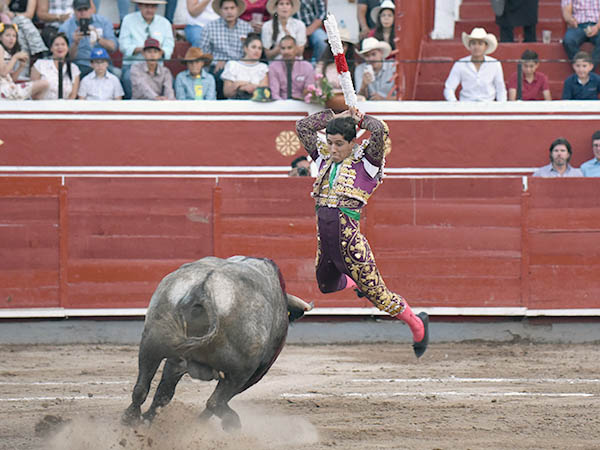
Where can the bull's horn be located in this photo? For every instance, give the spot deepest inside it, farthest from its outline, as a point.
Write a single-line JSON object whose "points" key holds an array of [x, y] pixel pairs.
{"points": [[298, 303]]}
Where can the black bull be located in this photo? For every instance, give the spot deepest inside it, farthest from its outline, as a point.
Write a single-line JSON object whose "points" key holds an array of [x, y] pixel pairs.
{"points": [[223, 319]]}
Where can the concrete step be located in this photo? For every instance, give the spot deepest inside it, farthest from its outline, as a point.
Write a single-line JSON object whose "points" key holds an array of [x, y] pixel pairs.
{"points": [[434, 91], [556, 26], [478, 10]]}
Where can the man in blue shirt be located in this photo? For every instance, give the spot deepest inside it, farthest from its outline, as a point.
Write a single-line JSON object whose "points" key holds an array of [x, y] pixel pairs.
{"points": [[196, 83], [591, 168], [97, 31], [583, 84], [135, 29]]}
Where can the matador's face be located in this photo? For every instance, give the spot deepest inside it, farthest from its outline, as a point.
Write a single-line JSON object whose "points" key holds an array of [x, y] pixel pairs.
{"points": [[339, 147]]}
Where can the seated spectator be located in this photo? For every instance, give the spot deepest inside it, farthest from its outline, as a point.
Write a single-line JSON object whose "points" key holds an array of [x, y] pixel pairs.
{"points": [[534, 84], [196, 83], [199, 14], [21, 12], [85, 31], [289, 76], [51, 14], [365, 20], [223, 38], [560, 155], [100, 84], [582, 18], [241, 78], [326, 65], [591, 168], [583, 84], [518, 13], [281, 25], [312, 13], [480, 75], [12, 62], [47, 69], [256, 14], [384, 17], [151, 80], [300, 167], [135, 29], [375, 78]]}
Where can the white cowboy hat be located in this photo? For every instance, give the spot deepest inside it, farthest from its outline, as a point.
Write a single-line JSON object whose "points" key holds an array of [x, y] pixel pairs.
{"points": [[385, 4], [482, 35], [216, 4], [345, 37], [150, 2], [372, 43], [272, 6]]}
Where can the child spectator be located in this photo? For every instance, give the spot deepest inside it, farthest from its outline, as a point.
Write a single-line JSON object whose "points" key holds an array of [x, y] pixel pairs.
{"points": [[149, 79], [100, 84], [47, 69], [12, 62], [241, 78], [384, 17], [21, 12], [534, 84], [288, 76], [196, 83], [199, 14], [480, 75], [583, 84], [282, 24]]}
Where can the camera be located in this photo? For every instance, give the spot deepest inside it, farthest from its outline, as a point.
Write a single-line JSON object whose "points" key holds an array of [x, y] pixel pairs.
{"points": [[84, 26], [303, 172]]}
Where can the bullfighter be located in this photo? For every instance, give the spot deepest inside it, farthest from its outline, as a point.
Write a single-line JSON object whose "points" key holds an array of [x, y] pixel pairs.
{"points": [[348, 175]]}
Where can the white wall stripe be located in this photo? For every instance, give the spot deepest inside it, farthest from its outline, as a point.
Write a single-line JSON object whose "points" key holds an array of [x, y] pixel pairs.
{"points": [[287, 395], [63, 398], [61, 383], [479, 380]]}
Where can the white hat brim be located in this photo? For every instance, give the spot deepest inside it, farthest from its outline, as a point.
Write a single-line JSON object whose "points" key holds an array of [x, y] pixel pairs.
{"points": [[489, 39]]}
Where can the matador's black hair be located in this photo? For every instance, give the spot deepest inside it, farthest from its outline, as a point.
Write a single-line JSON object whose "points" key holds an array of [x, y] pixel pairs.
{"points": [[342, 125]]}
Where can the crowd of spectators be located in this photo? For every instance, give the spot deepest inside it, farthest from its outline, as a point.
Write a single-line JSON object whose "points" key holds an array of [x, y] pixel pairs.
{"points": [[236, 46], [240, 45]]}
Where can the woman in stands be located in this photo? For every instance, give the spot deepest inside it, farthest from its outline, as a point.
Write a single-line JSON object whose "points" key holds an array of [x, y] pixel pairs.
{"points": [[384, 17], [282, 24], [47, 69], [12, 62], [21, 13], [241, 78]]}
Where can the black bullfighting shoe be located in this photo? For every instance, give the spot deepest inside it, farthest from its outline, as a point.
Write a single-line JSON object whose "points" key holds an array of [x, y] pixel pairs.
{"points": [[421, 346]]}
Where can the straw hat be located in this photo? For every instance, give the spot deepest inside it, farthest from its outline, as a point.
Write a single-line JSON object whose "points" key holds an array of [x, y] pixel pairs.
{"points": [[482, 35], [272, 6], [372, 43], [385, 4], [345, 37], [216, 4]]}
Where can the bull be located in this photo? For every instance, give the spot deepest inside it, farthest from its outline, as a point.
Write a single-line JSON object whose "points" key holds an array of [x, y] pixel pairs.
{"points": [[214, 319]]}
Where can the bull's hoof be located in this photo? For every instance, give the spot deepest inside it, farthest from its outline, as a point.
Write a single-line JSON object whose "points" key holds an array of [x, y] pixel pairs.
{"points": [[231, 423], [148, 416], [421, 346], [131, 417]]}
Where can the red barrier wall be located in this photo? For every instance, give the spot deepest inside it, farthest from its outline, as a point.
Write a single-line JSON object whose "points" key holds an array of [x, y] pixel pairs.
{"points": [[441, 242]]}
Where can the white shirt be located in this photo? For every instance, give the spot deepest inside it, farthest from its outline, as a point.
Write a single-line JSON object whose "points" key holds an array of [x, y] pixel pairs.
{"points": [[49, 72], [485, 84], [106, 88], [294, 27], [204, 17], [241, 71]]}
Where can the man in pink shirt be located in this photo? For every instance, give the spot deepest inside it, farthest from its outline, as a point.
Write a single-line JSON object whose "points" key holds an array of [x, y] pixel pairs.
{"points": [[289, 77], [583, 22]]}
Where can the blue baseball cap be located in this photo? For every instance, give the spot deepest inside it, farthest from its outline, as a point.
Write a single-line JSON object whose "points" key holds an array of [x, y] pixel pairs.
{"points": [[99, 53]]}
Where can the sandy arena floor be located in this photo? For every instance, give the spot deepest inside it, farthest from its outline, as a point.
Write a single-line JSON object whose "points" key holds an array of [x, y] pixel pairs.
{"points": [[459, 396]]}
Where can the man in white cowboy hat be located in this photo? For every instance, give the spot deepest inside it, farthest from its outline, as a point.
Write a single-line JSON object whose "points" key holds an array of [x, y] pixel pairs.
{"points": [[480, 75], [135, 29], [223, 37], [375, 77]]}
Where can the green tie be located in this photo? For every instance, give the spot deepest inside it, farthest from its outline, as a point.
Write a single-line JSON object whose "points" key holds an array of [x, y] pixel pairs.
{"points": [[333, 173]]}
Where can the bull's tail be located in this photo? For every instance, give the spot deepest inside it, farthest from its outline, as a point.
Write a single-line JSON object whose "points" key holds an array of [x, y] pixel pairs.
{"points": [[196, 299]]}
